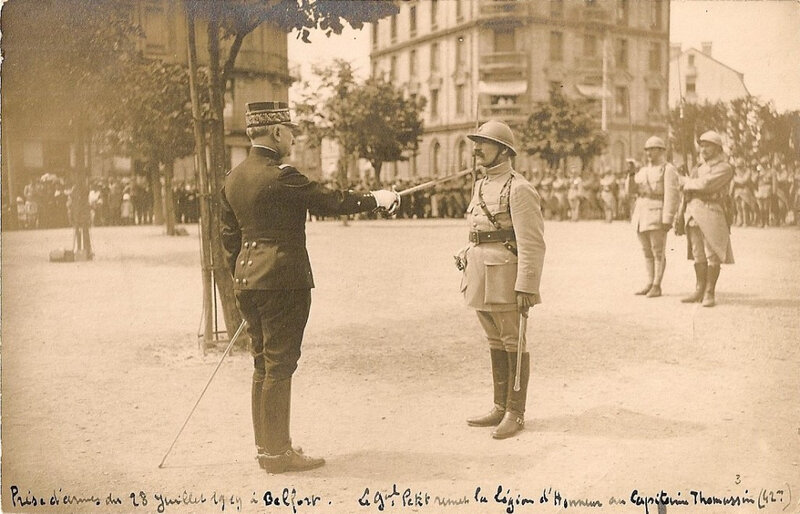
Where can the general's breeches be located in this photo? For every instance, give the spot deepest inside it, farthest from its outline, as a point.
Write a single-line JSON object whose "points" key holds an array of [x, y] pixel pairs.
{"points": [[501, 329], [701, 250]]}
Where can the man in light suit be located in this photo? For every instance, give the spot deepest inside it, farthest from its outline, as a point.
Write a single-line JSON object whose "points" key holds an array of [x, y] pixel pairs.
{"points": [[264, 210], [656, 190], [503, 270], [706, 225]]}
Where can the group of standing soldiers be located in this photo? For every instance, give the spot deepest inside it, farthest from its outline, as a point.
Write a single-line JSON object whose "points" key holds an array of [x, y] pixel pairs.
{"points": [[765, 194]]}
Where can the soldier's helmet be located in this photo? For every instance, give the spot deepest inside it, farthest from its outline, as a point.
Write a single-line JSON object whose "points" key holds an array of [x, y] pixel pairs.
{"points": [[655, 142], [711, 137], [496, 132]]}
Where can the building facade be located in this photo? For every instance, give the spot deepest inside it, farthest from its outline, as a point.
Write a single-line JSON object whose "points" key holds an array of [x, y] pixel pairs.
{"points": [[32, 148], [479, 59], [696, 77]]}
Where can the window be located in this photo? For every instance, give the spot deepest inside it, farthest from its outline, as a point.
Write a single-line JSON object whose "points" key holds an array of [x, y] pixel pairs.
{"points": [[589, 45], [434, 103], [393, 28], [434, 57], [556, 84], [436, 155], [460, 99], [657, 14], [459, 10], [412, 65], [654, 101], [375, 35], [655, 57], [556, 46], [463, 155], [412, 20], [393, 68], [622, 12], [504, 40], [691, 86], [621, 101], [155, 27], [556, 8], [691, 59], [460, 53], [434, 14], [621, 54], [33, 154]]}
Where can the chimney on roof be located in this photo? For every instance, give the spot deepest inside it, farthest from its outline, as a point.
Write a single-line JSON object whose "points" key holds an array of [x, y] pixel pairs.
{"points": [[674, 51], [706, 47]]}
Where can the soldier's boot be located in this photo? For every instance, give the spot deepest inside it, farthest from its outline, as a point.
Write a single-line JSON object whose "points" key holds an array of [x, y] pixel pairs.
{"points": [[500, 384], [276, 414], [649, 265], [660, 266], [709, 298], [700, 271], [514, 418]]}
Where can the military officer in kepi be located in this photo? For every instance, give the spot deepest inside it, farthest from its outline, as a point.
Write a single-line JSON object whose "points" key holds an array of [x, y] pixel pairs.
{"points": [[656, 189], [264, 209], [706, 223], [502, 270]]}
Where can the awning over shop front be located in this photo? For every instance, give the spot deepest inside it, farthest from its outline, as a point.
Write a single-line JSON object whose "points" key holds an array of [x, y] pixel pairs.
{"points": [[503, 88], [592, 91]]}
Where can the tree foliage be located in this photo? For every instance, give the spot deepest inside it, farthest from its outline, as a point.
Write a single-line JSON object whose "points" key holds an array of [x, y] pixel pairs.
{"points": [[372, 119], [562, 127]]}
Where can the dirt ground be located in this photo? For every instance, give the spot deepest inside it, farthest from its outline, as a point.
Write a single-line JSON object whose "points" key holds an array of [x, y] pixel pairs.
{"points": [[630, 398]]}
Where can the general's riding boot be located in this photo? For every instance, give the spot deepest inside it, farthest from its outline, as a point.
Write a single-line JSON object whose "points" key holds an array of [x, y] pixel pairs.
{"points": [[500, 383], [659, 274], [258, 419], [700, 271], [279, 456], [709, 299], [649, 265], [514, 418]]}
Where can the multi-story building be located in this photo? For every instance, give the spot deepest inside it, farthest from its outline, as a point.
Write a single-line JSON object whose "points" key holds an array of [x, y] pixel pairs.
{"points": [[479, 59], [696, 77], [35, 147]]}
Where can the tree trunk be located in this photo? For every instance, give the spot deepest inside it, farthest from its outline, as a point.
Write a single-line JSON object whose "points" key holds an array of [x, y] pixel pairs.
{"points": [[169, 198], [217, 174], [154, 177], [377, 165]]}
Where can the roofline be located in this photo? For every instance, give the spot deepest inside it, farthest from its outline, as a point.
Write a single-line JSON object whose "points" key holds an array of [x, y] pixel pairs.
{"points": [[741, 75]]}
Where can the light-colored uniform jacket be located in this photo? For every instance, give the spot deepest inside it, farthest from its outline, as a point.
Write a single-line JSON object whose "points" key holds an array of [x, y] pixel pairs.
{"points": [[493, 273], [706, 180], [658, 197]]}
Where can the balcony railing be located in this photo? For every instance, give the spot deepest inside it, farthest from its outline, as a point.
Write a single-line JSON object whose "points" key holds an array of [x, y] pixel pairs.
{"points": [[513, 113], [589, 63], [499, 9], [503, 65]]}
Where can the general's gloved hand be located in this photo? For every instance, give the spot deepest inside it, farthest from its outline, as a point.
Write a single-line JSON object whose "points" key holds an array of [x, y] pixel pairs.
{"points": [[389, 200]]}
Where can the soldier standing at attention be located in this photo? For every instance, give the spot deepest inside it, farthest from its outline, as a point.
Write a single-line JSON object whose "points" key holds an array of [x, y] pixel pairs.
{"points": [[504, 262], [656, 190], [264, 209], [706, 225]]}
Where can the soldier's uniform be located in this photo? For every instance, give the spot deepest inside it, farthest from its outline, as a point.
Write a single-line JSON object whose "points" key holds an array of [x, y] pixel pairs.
{"points": [[264, 210], [505, 255], [656, 191], [706, 225], [608, 194]]}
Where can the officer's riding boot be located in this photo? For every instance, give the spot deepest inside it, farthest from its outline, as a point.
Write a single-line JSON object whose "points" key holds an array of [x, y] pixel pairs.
{"points": [[500, 383], [276, 411], [700, 271], [514, 418], [709, 299], [649, 265], [660, 265], [258, 421]]}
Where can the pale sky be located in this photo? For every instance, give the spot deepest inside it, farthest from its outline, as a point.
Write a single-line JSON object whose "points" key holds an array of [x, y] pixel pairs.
{"points": [[760, 38]]}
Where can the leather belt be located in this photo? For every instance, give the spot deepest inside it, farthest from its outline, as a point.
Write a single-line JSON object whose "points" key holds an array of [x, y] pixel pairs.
{"points": [[491, 236], [652, 196]]}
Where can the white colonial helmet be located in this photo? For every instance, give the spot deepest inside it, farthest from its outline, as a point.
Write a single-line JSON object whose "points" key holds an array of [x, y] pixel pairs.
{"points": [[497, 132]]}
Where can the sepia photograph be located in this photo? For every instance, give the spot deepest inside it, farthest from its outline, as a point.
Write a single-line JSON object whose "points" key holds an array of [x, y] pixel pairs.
{"points": [[367, 256]]}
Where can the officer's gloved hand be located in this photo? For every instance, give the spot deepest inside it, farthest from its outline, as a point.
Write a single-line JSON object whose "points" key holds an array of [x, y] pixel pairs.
{"points": [[389, 200]]}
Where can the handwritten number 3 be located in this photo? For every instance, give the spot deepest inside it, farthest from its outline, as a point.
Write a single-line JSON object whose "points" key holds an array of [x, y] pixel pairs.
{"points": [[738, 479]]}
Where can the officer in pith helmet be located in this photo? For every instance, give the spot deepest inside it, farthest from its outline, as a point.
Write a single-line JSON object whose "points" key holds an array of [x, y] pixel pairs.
{"points": [[502, 269], [655, 186], [264, 208], [707, 227]]}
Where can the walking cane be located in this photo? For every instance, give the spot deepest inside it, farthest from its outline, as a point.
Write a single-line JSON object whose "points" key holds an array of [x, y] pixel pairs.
{"points": [[228, 349], [523, 324]]}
